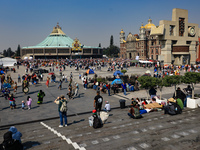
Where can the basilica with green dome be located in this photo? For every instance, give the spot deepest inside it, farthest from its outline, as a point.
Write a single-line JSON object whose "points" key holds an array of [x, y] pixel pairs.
{"points": [[59, 45]]}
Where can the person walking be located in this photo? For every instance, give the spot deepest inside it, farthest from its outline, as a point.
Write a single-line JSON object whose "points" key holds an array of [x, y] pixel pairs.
{"points": [[63, 114], [47, 83], [108, 88], [28, 102], [12, 101], [60, 84], [124, 87], [76, 89], [19, 78], [40, 96], [98, 100]]}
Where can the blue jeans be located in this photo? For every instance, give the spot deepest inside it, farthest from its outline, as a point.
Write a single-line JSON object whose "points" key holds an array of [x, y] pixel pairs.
{"points": [[124, 91], [109, 92], [130, 115], [63, 115], [185, 101]]}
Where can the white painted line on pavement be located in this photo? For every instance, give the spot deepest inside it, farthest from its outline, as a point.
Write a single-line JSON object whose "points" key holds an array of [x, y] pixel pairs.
{"points": [[116, 137], [135, 132], [131, 148], [95, 142], [183, 133], [165, 139], [106, 139], [192, 131], [74, 144], [175, 136], [144, 145]]}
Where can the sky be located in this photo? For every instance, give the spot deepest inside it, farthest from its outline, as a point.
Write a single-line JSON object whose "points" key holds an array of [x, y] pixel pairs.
{"points": [[29, 22]]}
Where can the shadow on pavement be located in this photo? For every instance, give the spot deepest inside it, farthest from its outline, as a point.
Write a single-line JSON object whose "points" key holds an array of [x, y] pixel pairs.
{"points": [[47, 102], [74, 122], [30, 144], [33, 92]]}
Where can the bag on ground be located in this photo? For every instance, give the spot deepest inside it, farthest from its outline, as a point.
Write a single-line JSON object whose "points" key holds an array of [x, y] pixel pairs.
{"points": [[97, 122], [104, 116]]}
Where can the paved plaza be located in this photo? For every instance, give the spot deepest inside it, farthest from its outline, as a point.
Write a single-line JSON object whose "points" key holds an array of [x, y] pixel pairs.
{"points": [[154, 131]]}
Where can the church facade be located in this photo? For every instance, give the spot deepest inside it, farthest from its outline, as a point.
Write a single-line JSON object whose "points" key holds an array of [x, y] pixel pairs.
{"points": [[172, 42]]}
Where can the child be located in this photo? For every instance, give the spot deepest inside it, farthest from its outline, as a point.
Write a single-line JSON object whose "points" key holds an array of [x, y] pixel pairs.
{"points": [[29, 100], [107, 106], [23, 104]]}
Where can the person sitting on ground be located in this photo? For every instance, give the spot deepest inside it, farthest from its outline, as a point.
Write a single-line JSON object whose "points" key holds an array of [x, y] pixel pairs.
{"points": [[153, 100], [132, 101], [179, 102], [9, 143], [144, 102], [107, 107], [172, 107], [16, 135], [134, 111], [139, 103]]}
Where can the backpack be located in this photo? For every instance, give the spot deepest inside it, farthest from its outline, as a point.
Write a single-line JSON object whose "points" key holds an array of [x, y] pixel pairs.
{"points": [[137, 114], [174, 109], [178, 109], [63, 107], [97, 122]]}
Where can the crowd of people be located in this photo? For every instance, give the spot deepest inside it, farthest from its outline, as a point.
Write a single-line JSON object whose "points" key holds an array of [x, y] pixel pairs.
{"points": [[138, 106]]}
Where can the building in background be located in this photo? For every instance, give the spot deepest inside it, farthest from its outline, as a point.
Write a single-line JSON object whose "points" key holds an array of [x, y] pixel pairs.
{"points": [[174, 41], [59, 45]]}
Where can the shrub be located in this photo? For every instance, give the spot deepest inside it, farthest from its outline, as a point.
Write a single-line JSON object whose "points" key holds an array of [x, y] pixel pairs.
{"points": [[123, 71]]}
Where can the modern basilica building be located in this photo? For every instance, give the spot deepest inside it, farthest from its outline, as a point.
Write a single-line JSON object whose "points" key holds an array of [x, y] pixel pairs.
{"points": [[59, 45], [172, 42]]}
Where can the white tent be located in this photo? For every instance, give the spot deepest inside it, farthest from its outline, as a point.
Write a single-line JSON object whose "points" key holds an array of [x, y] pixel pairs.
{"points": [[7, 61], [145, 61]]}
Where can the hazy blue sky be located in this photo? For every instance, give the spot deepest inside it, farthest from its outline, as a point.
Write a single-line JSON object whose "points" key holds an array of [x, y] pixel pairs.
{"points": [[28, 22]]}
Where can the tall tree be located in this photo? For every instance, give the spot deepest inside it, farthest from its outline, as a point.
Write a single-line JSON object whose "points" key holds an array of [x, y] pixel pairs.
{"points": [[9, 52], [5, 54], [18, 51], [99, 44], [111, 40]]}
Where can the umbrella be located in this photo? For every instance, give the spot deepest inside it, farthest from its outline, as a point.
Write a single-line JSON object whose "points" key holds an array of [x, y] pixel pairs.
{"points": [[117, 81], [6, 85], [2, 72], [51, 73], [117, 73]]}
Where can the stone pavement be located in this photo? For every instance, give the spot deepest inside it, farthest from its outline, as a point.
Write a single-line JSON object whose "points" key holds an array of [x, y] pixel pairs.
{"points": [[155, 131], [81, 104], [119, 133]]}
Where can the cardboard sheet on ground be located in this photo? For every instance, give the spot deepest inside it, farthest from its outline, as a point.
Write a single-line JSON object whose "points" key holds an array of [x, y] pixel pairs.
{"points": [[153, 105]]}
